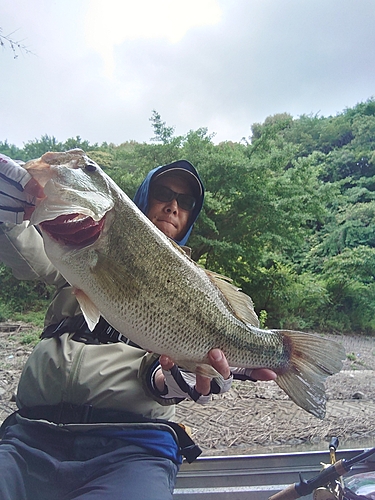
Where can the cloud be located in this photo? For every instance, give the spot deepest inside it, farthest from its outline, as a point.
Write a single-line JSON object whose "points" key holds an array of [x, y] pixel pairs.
{"points": [[113, 22], [236, 64]]}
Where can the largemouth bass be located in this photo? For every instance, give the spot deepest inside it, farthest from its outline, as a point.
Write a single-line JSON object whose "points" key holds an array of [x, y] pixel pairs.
{"points": [[123, 268]]}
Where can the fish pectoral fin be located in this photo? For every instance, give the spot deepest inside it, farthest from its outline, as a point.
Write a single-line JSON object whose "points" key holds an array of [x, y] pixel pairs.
{"points": [[114, 277], [312, 360], [89, 310], [240, 303], [206, 370]]}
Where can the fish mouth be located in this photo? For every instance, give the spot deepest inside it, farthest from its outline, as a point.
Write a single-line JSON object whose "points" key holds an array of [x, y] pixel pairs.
{"points": [[74, 229]]}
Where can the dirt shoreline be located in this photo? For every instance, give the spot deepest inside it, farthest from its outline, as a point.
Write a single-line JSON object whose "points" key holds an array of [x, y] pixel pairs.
{"points": [[251, 417]]}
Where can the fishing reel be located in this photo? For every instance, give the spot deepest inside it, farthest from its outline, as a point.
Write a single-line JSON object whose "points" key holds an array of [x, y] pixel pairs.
{"points": [[334, 490], [326, 493], [328, 484]]}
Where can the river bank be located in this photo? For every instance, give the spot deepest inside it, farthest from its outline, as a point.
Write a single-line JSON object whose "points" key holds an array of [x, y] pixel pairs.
{"points": [[251, 417]]}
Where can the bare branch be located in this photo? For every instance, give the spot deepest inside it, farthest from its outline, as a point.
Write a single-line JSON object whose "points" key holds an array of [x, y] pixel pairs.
{"points": [[17, 46]]}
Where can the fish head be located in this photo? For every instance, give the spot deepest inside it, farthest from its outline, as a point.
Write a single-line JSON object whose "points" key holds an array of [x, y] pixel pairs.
{"points": [[77, 196]]}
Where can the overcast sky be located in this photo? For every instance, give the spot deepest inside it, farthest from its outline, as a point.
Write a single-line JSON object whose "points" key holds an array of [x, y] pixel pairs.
{"points": [[101, 66]]}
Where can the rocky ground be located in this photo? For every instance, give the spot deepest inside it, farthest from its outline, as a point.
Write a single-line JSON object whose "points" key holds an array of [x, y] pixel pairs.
{"points": [[251, 417]]}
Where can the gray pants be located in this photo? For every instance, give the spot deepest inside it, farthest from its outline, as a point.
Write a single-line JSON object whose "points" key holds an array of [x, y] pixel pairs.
{"points": [[39, 463]]}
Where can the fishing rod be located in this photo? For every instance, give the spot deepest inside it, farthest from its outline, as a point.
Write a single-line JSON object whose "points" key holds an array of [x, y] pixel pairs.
{"points": [[328, 476]]}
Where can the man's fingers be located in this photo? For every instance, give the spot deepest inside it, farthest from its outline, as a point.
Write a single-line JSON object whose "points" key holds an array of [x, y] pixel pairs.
{"points": [[219, 362], [263, 374], [166, 363], [203, 385], [34, 188], [159, 378], [28, 212]]}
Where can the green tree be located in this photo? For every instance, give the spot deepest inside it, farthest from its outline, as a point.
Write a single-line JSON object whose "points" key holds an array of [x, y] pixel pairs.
{"points": [[35, 149], [162, 133], [288, 213], [349, 279], [11, 151]]}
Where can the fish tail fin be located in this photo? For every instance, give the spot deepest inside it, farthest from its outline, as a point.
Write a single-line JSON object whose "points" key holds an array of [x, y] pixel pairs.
{"points": [[312, 360]]}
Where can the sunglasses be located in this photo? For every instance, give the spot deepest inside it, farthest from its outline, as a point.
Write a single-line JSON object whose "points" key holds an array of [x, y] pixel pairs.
{"points": [[163, 193]]}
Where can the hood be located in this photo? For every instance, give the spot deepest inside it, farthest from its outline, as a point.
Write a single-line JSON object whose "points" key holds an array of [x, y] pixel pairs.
{"points": [[141, 196]]}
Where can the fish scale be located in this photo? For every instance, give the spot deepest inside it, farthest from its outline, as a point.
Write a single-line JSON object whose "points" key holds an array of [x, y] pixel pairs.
{"points": [[144, 285]]}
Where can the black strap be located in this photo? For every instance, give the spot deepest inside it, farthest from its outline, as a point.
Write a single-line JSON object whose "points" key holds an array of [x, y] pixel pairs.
{"points": [[66, 325], [192, 391], [243, 377], [66, 413], [189, 449], [103, 332], [183, 385]]}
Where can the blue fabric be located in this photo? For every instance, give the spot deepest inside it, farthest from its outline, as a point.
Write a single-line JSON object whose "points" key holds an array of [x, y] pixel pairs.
{"points": [[160, 443], [141, 196], [42, 463]]}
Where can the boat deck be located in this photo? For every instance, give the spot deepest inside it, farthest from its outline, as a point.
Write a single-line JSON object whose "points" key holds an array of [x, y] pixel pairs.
{"points": [[254, 477]]}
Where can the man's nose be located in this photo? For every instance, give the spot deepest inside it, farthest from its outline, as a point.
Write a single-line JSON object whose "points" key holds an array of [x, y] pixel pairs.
{"points": [[172, 206]]}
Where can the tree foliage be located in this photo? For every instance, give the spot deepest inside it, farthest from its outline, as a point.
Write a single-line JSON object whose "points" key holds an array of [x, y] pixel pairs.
{"points": [[289, 212]]}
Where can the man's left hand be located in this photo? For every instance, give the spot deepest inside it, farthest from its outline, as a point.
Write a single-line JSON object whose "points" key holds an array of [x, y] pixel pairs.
{"points": [[198, 387], [181, 384]]}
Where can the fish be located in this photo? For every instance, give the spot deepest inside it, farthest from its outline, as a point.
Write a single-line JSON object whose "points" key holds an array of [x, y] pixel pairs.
{"points": [[125, 269]]}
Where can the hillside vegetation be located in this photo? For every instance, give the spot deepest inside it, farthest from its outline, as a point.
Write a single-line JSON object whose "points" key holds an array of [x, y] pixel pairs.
{"points": [[289, 213]]}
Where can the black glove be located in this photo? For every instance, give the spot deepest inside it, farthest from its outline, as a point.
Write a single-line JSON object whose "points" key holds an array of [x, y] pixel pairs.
{"points": [[243, 374], [179, 384], [13, 199]]}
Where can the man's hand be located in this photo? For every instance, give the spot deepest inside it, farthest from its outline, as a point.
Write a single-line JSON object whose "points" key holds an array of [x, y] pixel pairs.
{"points": [[202, 386], [18, 192], [34, 189], [253, 374], [219, 362], [179, 384]]}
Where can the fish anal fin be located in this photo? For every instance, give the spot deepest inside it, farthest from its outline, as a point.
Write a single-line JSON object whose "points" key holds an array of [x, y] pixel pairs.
{"points": [[312, 360], [206, 370], [202, 369], [89, 310], [240, 303]]}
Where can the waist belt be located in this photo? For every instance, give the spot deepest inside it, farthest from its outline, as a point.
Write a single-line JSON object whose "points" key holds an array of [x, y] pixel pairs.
{"points": [[66, 413], [103, 332]]}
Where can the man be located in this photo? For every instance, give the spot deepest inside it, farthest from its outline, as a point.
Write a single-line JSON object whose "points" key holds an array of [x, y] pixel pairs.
{"points": [[95, 411]]}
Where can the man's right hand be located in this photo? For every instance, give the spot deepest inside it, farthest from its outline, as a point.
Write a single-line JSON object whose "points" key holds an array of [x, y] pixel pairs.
{"points": [[18, 192]]}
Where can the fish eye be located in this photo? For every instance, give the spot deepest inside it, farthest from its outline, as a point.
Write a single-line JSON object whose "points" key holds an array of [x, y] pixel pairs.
{"points": [[90, 166]]}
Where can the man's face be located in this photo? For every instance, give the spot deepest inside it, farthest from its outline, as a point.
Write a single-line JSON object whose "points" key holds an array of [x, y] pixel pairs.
{"points": [[168, 216]]}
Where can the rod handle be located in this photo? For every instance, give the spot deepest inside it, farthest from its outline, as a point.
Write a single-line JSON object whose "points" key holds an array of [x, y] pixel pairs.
{"points": [[290, 493]]}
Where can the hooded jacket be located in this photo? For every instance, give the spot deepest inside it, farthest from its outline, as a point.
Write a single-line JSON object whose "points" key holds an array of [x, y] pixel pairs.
{"points": [[61, 369], [142, 194]]}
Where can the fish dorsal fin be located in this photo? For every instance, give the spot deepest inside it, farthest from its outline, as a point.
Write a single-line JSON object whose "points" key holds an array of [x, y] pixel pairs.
{"points": [[89, 310], [241, 304], [183, 249]]}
